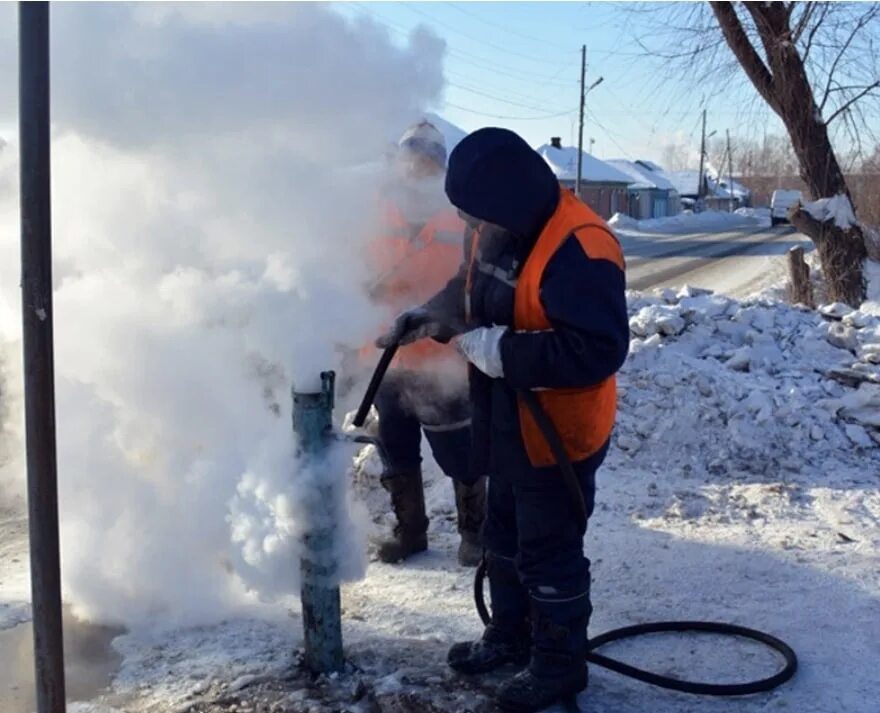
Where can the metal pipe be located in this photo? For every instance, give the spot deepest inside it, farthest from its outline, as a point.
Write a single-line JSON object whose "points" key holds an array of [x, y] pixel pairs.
{"points": [[322, 611], [39, 381]]}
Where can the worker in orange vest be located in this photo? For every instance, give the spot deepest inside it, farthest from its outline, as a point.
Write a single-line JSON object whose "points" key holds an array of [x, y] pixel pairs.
{"points": [[426, 388], [542, 294]]}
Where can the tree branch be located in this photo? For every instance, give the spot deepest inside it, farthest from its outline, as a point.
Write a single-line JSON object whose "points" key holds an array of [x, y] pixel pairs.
{"points": [[761, 18], [863, 20], [808, 45], [804, 21], [745, 52], [867, 90]]}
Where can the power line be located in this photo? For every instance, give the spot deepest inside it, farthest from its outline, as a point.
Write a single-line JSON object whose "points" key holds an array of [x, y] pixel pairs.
{"points": [[495, 97], [461, 9], [510, 118], [531, 38], [527, 103], [609, 135], [466, 57], [482, 41]]}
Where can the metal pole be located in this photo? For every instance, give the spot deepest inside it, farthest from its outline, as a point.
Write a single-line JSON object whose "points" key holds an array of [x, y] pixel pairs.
{"points": [[577, 185], [39, 382], [730, 171], [322, 611], [702, 156]]}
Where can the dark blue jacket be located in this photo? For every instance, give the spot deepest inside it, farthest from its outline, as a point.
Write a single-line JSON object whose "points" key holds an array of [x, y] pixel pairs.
{"points": [[496, 177]]}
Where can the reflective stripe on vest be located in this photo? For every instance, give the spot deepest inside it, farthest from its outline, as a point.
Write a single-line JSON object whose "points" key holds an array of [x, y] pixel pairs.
{"points": [[476, 263], [583, 417]]}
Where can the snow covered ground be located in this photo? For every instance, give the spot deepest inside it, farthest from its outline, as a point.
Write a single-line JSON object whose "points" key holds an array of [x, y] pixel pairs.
{"points": [[689, 222], [742, 486]]}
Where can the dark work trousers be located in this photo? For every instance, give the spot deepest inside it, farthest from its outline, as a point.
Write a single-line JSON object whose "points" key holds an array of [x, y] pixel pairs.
{"points": [[406, 406], [530, 518]]}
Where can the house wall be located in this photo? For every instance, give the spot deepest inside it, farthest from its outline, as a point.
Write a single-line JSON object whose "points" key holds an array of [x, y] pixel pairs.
{"points": [[640, 204], [653, 203], [605, 199]]}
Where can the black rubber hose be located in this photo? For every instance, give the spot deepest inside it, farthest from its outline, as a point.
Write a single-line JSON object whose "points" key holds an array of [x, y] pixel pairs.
{"points": [[369, 396], [708, 689], [675, 684]]}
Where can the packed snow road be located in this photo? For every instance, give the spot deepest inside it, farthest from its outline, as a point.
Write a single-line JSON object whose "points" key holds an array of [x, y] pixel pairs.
{"points": [[735, 262]]}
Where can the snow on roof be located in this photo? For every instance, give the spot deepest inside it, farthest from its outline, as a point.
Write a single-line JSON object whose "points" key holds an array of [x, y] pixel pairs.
{"points": [[720, 189], [644, 174], [564, 164], [685, 182], [650, 165]]}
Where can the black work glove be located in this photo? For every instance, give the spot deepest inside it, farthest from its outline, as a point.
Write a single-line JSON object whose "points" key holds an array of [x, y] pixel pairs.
{"points": [[412, 325]]}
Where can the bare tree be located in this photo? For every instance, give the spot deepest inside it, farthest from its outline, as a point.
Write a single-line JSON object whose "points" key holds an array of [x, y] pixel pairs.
{"points": [[816, 66], [872, 163]]}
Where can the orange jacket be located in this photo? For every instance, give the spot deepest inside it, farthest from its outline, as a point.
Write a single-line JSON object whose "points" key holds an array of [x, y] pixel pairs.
{"points": [[413, 262], [583, 417]]}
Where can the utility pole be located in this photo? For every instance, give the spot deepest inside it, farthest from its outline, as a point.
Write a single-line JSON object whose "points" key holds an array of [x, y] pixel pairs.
{"points": [[39, 368], [577, 185], [592, 141], [702, 157], [729, 171]]}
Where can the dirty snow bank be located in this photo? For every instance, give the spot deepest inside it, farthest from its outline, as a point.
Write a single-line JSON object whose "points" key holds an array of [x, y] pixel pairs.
{"points": [[688, 222], [761, 382]]}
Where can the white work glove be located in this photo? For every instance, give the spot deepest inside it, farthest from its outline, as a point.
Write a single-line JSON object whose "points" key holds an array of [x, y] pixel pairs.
{"points": [[482, 348]]}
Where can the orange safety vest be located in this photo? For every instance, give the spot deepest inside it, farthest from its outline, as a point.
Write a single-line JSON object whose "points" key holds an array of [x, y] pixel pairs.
{"points": [[413, 264], [583, 417]]}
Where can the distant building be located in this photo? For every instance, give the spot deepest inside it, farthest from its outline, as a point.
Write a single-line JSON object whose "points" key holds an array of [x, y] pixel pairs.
{"points": [[603, 187], [715, 194], [651, 194]]}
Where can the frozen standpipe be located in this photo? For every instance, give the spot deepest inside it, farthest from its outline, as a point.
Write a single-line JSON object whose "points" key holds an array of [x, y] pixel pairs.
{"points": [[322, 624]]}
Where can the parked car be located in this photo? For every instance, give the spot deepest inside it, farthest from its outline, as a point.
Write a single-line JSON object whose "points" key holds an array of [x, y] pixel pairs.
{"points": [[780, 202]]}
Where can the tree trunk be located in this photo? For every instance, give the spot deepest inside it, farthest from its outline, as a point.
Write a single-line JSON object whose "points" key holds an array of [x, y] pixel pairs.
{"points": [[838, 251], [784, 84], [800, 289]]}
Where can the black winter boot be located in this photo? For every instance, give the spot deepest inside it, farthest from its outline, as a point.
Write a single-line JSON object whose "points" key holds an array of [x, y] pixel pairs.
{"points": [[408, 500], [506, 639], [470, 502], [558, 669]]}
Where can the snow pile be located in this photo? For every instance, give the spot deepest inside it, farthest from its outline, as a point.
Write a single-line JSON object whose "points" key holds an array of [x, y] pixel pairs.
{"points": [[759, 383], [208, 256], [687, 222], [838, 209], [872, 277], [755, 213]]}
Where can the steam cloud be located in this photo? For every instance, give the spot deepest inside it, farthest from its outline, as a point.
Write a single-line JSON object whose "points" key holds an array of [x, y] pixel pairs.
{"points": [[208, 238]]}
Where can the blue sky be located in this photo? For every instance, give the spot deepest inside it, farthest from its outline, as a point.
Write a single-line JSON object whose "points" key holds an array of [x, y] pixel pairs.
{"points": [[518, 65]]}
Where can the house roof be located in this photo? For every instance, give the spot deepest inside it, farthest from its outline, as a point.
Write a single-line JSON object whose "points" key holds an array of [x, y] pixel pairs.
{"points": [[721, 190], [685, 182], [564, 161], [644, 174]]}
